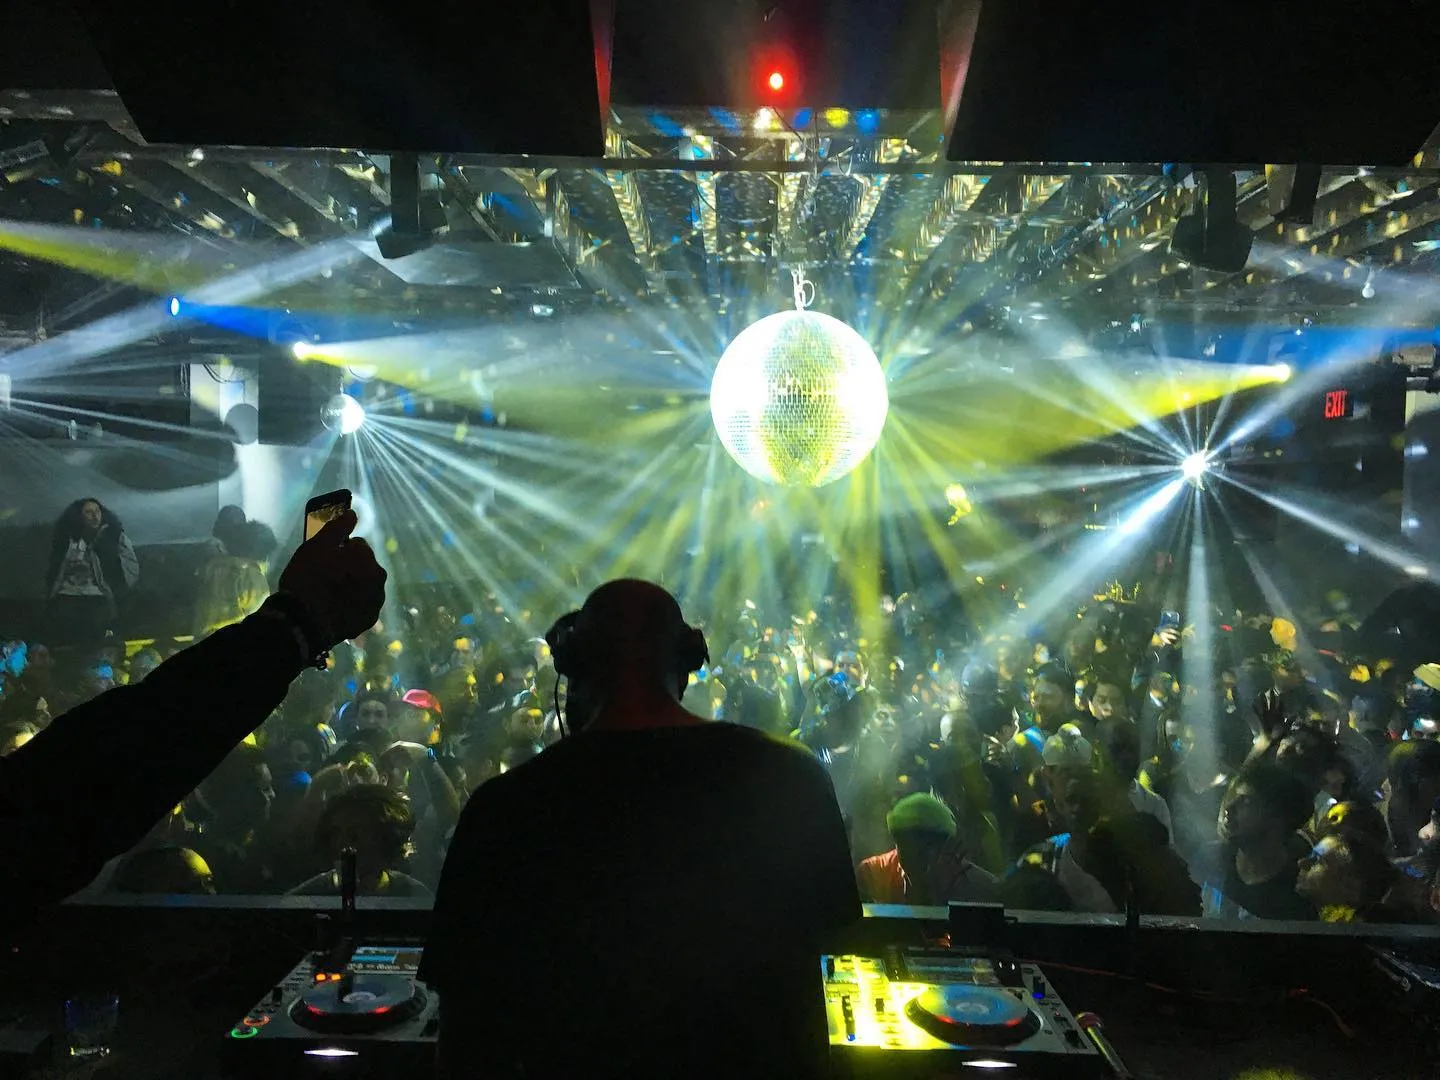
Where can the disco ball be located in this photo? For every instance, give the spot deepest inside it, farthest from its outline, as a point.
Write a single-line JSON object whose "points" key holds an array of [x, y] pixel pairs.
{"points": [[343, 413], [798, 399]]}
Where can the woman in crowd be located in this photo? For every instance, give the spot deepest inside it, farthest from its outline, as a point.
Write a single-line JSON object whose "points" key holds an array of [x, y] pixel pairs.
{"points": [[92, 569]]}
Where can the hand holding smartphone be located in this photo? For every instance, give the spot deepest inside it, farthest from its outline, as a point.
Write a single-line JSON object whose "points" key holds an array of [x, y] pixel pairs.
{"points": [[325, 508]]}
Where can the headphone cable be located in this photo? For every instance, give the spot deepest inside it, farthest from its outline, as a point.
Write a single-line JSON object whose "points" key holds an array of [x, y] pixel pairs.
{"points": [[559, 716]]}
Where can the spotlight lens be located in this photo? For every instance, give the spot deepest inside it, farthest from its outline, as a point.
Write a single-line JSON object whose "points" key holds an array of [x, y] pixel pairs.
{"points": [[1195, 466], [777, 81], [301, 349], [175, 307], [343, 413]]}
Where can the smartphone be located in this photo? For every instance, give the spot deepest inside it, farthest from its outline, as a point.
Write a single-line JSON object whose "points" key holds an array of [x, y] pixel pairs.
{"points": [[323, 508], [1169, 620]]}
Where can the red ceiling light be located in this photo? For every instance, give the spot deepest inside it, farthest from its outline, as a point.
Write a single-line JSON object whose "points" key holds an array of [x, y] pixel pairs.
{"points": [[776, 80]]}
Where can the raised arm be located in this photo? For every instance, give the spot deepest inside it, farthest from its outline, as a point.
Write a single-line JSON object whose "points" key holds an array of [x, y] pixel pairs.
{"points": [[91, 785]]}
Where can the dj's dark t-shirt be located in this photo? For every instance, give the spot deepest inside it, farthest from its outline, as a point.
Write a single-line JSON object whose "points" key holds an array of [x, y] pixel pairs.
{"points": [[643, 904]]}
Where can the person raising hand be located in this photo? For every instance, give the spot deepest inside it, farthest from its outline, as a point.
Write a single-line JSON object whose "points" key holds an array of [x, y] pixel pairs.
{"points": [[86, 789]]}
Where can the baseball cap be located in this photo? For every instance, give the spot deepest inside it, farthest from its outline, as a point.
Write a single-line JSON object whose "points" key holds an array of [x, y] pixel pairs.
{"points": [[1068, 748]]}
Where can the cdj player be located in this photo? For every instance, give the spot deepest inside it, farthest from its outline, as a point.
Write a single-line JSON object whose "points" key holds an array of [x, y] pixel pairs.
{"points": [[937, 1013], [366, 1007]]}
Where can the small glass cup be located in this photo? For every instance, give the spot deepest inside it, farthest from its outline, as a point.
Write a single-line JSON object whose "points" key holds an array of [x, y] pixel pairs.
{"points": [[90, 1024]]}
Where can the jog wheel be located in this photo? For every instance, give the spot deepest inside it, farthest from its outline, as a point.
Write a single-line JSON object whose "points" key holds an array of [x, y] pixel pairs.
{"points": [[358, 1004], [972, 1015]]}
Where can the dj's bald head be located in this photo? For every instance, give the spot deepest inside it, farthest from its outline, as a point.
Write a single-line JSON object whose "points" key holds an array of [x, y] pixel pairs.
{"points": [[632, 624], [629, 655]]}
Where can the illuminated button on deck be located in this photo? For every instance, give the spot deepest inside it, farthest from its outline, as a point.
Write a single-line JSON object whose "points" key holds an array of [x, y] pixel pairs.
{"points": [[243, 1032]]}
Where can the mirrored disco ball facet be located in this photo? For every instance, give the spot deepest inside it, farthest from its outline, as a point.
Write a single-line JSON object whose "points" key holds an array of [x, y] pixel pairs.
{"points": [[798, 399]]}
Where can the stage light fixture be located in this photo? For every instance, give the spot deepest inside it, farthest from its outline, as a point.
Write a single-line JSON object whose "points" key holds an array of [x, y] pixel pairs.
{"points": [[174, 307], [416, 215], [343, 413], [1195, 466], [301, 350], [776, 80], [1213, 238], [1368, 289], [799, 398]]}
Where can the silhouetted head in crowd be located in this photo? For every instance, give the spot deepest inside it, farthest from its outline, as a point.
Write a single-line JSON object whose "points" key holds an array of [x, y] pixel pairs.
{"points": [[833, 714], [1308, 753], [416, 718], [1119, 750], [143, 663], [525, 728], [84, 518], [240, 791], [1033, 888], [169, 869], [1345, 876], [1109, 697], [253, 541], [14, 735], [1128, 851], [1052, 696], [1412, 784], [1079, 648], [991, 717], [921, 825], [1010, 659], [1067, 754], [1265, 803], [227, 521], [1354, 819], [377, 821], [1076, 803], [374, 712], [301, 747], [850, 663]]}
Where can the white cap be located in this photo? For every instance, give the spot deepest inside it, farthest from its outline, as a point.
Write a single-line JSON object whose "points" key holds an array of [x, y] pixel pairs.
{"points": [[1068, 748]]}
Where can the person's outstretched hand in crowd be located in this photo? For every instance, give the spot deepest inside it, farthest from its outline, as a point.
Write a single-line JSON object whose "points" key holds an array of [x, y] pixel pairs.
{"points": [[336, 580], [332, 589]]}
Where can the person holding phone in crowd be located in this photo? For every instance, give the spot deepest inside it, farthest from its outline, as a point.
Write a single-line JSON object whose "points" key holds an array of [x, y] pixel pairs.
{"points": [[332, 590]]}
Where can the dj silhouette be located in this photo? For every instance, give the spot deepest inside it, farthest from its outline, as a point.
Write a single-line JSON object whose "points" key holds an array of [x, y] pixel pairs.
{"points": [[650, 896]]}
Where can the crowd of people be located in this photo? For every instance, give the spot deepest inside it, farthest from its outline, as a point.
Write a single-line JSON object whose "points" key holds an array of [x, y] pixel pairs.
{"points": [[1117, 758]]}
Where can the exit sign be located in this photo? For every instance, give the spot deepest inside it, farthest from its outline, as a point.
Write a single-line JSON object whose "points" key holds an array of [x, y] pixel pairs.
{"points": [[1338, 405]]}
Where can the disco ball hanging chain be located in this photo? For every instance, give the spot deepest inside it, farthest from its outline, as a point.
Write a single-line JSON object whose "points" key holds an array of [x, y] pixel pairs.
{"points": [[798, 397], [803, 299]]}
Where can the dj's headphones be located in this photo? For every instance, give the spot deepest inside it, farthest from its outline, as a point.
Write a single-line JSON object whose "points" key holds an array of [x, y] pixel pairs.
{"points": [[569, 651]]}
